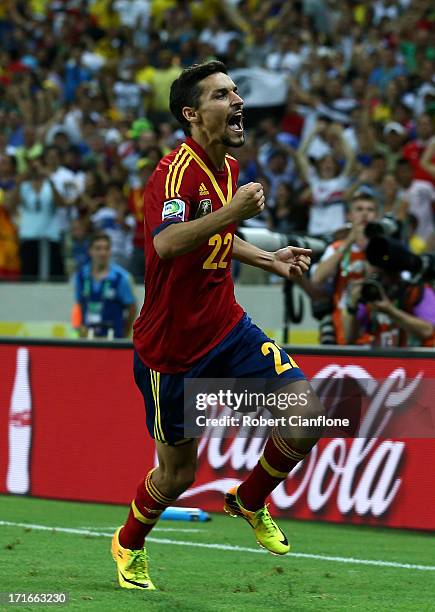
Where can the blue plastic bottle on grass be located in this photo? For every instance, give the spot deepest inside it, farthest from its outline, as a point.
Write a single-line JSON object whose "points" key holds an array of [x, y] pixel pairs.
{"points": [[174, 513]]}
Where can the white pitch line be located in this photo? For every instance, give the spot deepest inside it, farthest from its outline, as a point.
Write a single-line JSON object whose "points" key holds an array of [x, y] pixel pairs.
{"points": [[227, 547]]}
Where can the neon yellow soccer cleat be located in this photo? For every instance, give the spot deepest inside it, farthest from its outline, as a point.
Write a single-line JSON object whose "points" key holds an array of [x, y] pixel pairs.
{"points": [[267, 532], [132, 566]]}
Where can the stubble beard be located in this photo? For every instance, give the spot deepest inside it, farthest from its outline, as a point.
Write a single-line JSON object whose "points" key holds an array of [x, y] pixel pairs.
{"points": [[229, 143]]}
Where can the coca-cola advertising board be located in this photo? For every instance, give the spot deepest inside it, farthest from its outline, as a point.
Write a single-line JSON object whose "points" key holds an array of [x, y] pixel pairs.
{"points": [[72, 426]]}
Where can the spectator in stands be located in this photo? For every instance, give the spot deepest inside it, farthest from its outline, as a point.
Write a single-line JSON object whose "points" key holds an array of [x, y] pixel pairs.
{"points": [[80, 242], [288, 215], [128, 94], [371, 178], [166, 72], [91, 78], [114, 219], [8, 172], [292, 121], [36, 199], [387, 69], [68, 184], [413, 151], [279, 169], [9, 244], [391, 203], [92, 197], [30, 148], [328, 183], [419, 197], [260, 47], [394, 136], [288, 55], [105, 303], [427, 161]]}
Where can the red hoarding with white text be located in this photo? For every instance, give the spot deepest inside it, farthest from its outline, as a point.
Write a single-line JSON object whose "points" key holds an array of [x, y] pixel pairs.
{"points": [[72, 426]]}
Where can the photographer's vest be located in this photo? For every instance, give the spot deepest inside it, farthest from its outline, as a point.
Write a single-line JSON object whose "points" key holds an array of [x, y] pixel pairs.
{"points": [[102, 309], [352, 267]]}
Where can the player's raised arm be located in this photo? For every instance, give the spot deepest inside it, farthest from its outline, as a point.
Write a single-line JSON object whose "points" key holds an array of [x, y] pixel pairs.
{"points": [[182, 237]]}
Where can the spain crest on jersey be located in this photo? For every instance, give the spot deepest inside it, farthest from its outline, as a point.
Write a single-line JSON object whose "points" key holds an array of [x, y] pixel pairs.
{"points": [[204, 208]]}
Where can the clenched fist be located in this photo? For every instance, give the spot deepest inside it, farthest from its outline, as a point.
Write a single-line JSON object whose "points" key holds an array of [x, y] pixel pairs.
{"points": [[248, 201]]}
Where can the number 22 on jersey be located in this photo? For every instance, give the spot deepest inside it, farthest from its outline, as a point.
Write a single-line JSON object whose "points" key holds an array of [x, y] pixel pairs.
{"points": [[220, 250], [271, 347]]}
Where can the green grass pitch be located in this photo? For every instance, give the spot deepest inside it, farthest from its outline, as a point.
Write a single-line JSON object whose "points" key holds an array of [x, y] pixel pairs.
{"points": [[215, 576]]}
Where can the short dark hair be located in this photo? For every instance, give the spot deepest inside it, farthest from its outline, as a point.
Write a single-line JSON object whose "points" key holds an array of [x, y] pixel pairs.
{"points": [[185, 90], [363, 194], [95, 237]]}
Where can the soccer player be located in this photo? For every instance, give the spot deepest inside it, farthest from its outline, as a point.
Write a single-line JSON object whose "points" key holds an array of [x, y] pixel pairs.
{"points": [[190, 325]]}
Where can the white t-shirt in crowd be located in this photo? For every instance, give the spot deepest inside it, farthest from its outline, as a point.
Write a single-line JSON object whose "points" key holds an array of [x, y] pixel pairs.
{"points": [[420, 197], [328, 211], [128, 95], [218, 40], [37, 213], [130, 11], [70, 185], [288, 62]]}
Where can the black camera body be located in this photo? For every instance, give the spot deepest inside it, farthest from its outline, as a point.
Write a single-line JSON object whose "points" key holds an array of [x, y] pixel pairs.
{"points": [[371, 291], [386, 226], [385, 251]]}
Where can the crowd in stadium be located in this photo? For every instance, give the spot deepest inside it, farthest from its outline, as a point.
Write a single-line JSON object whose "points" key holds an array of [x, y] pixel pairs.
{"points": [[84, 116]]}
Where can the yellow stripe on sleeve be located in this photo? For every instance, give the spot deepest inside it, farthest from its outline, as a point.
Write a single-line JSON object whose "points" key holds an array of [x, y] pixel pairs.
{"points": [[181, 173], [175, 172], [172, 165]]}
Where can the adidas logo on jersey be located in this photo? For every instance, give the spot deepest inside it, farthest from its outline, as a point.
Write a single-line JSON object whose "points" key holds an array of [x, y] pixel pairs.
{"points": [[203, 190]]}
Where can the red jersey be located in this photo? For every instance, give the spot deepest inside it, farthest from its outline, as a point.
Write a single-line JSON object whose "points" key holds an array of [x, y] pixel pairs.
{"points": [[189, 300]]}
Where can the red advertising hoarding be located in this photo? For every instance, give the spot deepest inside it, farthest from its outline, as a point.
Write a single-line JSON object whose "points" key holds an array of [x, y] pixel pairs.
{"points": [[72, 426]]}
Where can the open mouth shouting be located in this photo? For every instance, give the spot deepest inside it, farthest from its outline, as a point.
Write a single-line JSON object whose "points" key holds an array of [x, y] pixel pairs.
{"points": [[235, 122]]}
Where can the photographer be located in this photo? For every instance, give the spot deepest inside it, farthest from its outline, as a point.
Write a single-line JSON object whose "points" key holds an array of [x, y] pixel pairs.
{"points": [[384, 310], [344, 261]]}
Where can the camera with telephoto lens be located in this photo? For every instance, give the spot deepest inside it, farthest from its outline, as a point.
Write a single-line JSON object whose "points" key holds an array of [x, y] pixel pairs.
{"points": [[371, 290], [267, 240], [384, 250], [386, 226]]}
